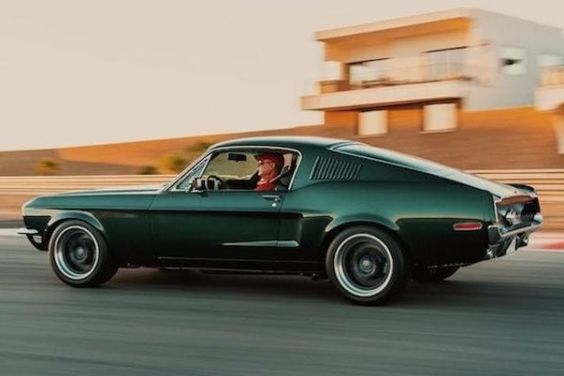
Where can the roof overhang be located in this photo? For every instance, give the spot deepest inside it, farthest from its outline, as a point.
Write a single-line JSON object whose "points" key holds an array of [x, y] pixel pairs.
{"points": [[387, 96], [457, 19]]}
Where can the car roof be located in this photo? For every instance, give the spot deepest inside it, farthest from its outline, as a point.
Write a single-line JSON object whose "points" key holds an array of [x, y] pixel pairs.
{"points": [[282, 141]]}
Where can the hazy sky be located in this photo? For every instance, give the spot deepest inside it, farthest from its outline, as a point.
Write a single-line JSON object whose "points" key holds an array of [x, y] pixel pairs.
{"points": [[76, 72]]}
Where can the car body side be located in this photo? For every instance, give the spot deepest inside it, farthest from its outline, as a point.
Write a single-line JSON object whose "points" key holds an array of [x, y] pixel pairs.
{"points": [[417, 208]]}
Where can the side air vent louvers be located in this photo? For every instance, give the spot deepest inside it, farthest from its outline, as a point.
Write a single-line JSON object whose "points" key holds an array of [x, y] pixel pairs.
{"points": [[334, 169]]}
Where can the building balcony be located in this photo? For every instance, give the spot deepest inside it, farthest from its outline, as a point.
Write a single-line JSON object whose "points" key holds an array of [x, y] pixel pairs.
{"points": [[425, 83]]}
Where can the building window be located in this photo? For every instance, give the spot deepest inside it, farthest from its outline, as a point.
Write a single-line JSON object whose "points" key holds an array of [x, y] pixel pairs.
{"points": [[367, 73], [439, 117], [512, 61], [373, 123], [445, 64]]}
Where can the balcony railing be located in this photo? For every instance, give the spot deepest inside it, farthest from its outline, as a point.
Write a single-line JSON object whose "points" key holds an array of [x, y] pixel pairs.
{"points": [[403, 76], [553, 76]]}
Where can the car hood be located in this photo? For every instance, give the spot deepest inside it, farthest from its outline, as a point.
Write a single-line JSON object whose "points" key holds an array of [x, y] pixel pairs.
{"points": [[126, 190]]}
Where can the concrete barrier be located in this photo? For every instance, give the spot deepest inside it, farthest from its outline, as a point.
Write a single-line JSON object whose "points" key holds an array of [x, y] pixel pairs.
{"points": [[35, 185]]}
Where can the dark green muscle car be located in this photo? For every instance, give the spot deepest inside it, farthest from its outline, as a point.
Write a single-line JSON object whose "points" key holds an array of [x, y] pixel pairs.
{"points": [[366, 218]]}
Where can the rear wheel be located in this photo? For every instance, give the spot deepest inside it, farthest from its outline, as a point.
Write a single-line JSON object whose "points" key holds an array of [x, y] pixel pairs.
{"points": [[79, 255], [426, 275], [367, 265]]}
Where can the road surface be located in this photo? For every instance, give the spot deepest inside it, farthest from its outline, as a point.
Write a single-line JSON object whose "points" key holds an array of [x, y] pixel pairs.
{"points": [[504, 317]]}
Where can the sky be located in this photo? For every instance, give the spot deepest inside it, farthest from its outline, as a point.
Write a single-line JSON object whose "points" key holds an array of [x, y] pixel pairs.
{"points": [[76, 72]]}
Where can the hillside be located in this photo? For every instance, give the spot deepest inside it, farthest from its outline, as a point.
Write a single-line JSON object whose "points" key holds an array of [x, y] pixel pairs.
{"points": [[502, 139]]}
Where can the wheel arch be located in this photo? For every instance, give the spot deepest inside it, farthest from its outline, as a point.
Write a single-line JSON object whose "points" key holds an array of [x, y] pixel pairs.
{"points": [[336, 227], [73, 215]]}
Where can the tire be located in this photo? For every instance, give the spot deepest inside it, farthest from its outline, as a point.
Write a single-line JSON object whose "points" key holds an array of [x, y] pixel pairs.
{"points": [[79, 255], [429, 275], [366, 265]]}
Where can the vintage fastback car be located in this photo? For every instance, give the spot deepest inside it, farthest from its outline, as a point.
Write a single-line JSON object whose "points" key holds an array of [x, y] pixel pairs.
{"points": [[366, 218]]}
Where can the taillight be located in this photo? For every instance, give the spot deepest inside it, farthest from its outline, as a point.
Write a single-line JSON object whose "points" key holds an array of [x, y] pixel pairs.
{"points": [[467, 226]]}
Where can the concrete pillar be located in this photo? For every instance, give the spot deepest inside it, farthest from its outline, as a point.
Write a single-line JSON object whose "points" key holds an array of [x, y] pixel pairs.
{"points": [[373, 123], [558, 119], [440, 117]]}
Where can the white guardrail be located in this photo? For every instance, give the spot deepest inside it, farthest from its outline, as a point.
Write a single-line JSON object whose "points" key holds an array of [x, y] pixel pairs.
{"points": [[549, 183]]}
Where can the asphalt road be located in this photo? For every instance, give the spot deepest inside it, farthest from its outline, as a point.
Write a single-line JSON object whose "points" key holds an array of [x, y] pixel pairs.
{"points": [[504, 317]]}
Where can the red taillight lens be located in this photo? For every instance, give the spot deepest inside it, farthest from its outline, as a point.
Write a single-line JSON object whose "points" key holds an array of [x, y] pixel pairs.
{"points": [[467, 226]]}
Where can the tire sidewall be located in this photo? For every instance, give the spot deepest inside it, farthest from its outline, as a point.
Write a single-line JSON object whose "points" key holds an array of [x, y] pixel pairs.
{"points": [[104, 266], [399, 275]]}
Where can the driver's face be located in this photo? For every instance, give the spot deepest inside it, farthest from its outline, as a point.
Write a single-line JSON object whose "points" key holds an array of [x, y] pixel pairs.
{"points": [[265, 167]]}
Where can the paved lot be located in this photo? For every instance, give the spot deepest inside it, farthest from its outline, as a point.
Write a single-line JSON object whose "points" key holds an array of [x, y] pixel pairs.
{"points": [[504, 317]]}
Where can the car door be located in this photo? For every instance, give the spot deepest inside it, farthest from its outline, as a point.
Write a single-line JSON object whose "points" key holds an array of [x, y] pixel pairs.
{"points": [[217, 224]]}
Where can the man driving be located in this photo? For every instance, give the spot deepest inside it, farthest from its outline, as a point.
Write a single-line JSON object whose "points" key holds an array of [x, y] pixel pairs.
{"points": [[269, 167]]}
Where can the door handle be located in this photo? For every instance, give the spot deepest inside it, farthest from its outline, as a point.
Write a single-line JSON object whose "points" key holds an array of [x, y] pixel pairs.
{"points": [[274, 198]]}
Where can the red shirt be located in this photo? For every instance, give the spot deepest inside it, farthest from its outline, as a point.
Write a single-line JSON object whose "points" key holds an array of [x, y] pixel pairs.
{"points": [[265, 185]]}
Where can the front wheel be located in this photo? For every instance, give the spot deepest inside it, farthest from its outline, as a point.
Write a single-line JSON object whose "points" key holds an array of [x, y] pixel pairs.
{"points": [[367, 265], [79, 255], [426, 275]]}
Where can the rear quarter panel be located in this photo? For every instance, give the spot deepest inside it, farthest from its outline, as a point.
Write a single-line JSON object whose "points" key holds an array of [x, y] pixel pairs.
{"points": [[417, 208]]}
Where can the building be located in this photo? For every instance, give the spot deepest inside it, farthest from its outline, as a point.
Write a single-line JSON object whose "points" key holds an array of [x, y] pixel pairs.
{"points": [[550, 98], [444, 63]]}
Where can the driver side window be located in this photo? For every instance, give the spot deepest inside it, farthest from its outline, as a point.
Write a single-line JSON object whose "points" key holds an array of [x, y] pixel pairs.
{"points": [[239, 170]]}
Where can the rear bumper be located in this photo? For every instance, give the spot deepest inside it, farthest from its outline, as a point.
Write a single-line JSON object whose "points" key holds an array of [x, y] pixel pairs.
{"points": [[503, 241]]}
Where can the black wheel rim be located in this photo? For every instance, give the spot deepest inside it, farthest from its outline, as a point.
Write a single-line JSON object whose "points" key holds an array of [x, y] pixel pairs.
{"points": [[363, 265], [76, 252]]}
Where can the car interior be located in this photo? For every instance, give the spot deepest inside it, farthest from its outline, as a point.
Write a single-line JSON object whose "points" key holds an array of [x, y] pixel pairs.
{"points": [[230, 170]]}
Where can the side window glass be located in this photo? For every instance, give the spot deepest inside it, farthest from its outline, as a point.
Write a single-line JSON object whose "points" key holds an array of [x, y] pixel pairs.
{"points": [[241, 170], [194, 173]]}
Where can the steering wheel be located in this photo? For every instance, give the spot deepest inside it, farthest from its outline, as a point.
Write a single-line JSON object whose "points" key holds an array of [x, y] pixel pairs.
{"points": [[214, 178]]}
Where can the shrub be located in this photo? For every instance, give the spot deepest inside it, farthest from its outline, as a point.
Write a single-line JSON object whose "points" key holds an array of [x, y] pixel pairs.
{"points": [[147, 170], [47, 166], [199, 147], [173, 163]]}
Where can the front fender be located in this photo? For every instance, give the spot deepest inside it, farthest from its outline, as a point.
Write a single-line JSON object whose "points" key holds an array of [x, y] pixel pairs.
{"points": [[46, 220], [74, 215]]}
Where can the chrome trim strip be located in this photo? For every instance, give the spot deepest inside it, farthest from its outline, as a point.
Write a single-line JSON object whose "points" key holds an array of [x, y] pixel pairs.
{"points": [[260, 243], [288, 244], [27, 231], [265, 243], [171, 186], [496, 200]]}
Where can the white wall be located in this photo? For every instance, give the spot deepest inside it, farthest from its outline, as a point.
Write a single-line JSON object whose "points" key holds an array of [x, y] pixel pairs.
{"points": [[497, 31]]}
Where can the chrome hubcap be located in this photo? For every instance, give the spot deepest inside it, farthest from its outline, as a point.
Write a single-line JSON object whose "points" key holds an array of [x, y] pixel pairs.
{"points": [[363, 265], [76, 252], [366, 265]]}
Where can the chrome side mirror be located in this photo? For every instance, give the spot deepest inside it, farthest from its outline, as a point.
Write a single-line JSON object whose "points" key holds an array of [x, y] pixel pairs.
{"points": [[198, 185]]}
